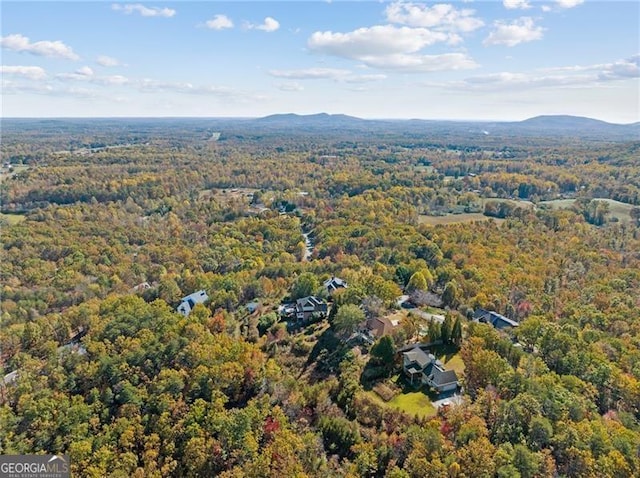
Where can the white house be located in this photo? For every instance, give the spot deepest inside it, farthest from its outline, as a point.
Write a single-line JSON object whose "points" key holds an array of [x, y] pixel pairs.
{"points": [[334, 284], [189, 302]]}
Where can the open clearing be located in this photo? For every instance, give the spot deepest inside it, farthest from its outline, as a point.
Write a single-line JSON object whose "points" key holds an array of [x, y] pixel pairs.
{"points": [[455, 219], [617, 209], [413, 403], [12, 219]]}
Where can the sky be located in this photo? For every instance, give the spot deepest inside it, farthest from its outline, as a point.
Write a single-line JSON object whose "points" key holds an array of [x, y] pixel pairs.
{"points": [[465, 60]]}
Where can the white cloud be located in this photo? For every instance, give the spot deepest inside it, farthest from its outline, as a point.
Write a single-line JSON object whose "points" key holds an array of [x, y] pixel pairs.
{"points": [[511, 34], [130, 8], [310, 74], [326, 74], [290, 86], [516, 4], [374, 41], [390, 47], [86, 74], [268, 25], [423, 63], [569, 3], [546, 8], [441, 16], [50, 49], [29, 72], [569, 76], [104, 60], [219, 22]]}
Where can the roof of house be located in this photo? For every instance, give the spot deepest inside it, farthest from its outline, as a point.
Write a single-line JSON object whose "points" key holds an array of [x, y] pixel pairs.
{"points": [[334, 283], [310, 300], [379, 326], [443, 377], [418, 356], [494, 318], [197, 297]]}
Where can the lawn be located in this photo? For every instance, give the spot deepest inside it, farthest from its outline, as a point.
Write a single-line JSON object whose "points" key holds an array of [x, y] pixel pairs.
{"points": [[413, 403], [617, 209], [12, 219], [455, 219], [450, 357]]}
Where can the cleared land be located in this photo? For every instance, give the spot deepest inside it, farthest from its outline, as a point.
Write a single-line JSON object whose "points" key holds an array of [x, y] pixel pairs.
{"points": [[12, 219], [413, 403], [455, 219], [617, 209]]}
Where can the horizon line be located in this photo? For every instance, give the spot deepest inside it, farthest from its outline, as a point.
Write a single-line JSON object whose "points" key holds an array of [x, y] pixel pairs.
{"points": [[454, 120]]}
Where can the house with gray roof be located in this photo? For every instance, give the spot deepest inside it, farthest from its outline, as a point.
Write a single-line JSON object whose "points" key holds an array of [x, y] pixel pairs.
{"points": [[307, 307], [423, 367], [189, 302], [333, 284], [498, 321]]}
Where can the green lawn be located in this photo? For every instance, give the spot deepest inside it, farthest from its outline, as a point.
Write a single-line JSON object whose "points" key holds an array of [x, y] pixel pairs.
{"points": [[12, 219], [413, 403], [450, 357], [455, 218], [617, 209]]}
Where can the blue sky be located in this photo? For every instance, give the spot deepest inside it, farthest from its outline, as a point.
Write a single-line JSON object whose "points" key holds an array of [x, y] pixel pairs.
{"points": [[497, 60]]}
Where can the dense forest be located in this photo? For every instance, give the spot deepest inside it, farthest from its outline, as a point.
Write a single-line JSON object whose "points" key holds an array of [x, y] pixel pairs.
{"points": [[107, 225]]}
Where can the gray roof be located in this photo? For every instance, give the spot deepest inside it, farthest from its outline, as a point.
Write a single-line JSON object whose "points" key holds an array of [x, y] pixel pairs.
{"points": [[443, 377], [418, 356]]}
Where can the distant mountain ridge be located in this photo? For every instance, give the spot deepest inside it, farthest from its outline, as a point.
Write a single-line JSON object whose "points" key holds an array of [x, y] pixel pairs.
{"points": [[544, 125]]}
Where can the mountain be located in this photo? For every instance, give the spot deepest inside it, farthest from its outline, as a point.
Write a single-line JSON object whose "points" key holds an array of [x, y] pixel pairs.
{"points": [[319, 120]]}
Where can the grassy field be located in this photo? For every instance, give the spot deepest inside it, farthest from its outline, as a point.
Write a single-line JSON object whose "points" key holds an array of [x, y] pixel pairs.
{"points": [[617, 209], [518, 203], [413, 403], [19, 168], [451, 359], [455, 219], [12, 219]]}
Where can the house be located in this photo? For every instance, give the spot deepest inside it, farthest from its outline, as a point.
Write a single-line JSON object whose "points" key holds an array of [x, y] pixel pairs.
{"points": [[308, 306], [142, 286], [189, 302], [252, 307], [379, 326], [424, 367], [334, 284], [498, 321]]}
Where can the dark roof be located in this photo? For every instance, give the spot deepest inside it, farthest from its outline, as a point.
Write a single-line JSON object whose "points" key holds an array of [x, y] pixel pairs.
{"points": [[443, 377], [499, 321]]}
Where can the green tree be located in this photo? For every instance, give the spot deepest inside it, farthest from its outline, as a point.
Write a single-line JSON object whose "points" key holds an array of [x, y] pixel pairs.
{"points": [[417, 282], [384, 351], [451, 294], [306, 284], [347, 319]]}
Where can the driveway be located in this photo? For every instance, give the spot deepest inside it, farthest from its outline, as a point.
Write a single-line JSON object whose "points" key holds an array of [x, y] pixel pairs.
{"points": [[448, 398]]}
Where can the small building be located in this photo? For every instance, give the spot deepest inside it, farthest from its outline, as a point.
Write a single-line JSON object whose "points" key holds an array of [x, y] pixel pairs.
{"points": [[421, 366], [308, 306], [252, 307], [494, 319], [379, 326], [189, 302], [333, 284], [142, 286]]}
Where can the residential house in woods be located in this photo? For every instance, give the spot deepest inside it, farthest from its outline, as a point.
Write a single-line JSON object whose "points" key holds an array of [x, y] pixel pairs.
{"points": [[189, 302], [308, 306], [498, 321], [379, 326], [333, 284], [423, 367]]}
